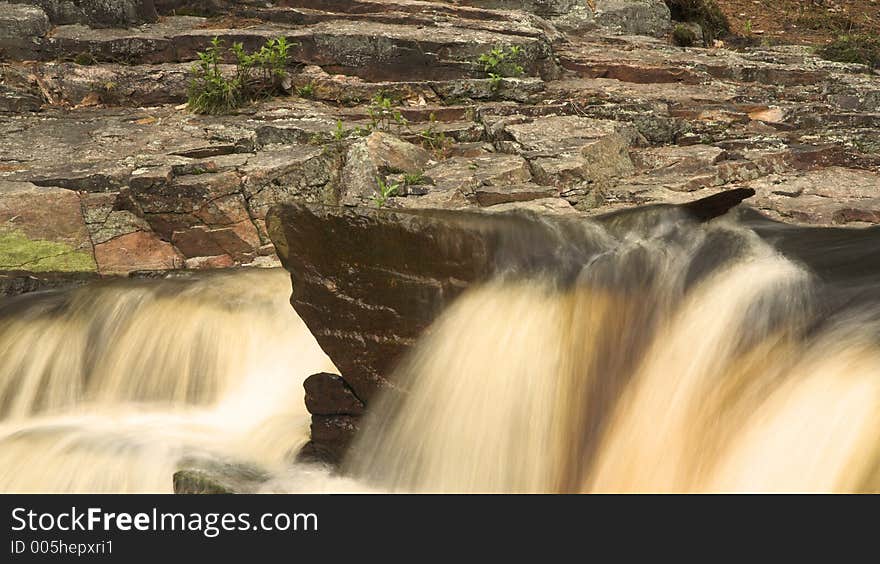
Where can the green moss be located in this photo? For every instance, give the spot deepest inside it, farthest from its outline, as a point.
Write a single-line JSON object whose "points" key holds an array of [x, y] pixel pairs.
{"points": [[863, 48], [85, 59], [706, 13], [18, 252], [684, 36]]}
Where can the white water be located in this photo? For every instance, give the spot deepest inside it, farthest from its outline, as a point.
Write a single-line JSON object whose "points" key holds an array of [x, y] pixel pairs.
{"points": [[523, 386], [110, 390]]}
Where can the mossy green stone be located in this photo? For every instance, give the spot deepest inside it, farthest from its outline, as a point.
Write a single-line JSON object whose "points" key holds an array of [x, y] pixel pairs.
{"points": [[18, 252]]}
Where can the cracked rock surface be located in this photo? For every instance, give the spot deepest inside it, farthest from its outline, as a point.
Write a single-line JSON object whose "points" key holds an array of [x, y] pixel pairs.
{"points": [[103, 170]]}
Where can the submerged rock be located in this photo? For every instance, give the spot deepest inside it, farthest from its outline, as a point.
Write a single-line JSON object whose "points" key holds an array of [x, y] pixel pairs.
{"points": [[218, 477]]}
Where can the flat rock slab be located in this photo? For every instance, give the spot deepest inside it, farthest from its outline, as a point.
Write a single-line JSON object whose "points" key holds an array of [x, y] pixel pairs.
{"points": [[830, 196], [469, 174]]}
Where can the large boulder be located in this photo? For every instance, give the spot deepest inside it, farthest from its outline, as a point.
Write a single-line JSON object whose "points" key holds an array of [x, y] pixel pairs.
{"points": [[367, 281], [21, 29], [578, 155], [630, 17], [636, 17]]}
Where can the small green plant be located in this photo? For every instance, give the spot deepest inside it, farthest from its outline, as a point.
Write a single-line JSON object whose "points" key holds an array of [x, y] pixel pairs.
{"points": [[340, 132], [501, 63], [432, 138], [414, 179], [385, 192], [747, 27], [209, 91], [684, 36], [306, 91], [256, 75], [863, 48], [383, 115], [85, 59]]}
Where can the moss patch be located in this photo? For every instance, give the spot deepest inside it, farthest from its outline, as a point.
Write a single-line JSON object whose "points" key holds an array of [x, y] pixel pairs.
{"points": [[684, 36], [18, 252], [703, 12]]}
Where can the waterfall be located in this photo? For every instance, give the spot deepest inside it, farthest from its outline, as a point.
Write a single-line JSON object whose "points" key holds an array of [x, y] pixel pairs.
{"points": [[681, 358], [109, 387]]}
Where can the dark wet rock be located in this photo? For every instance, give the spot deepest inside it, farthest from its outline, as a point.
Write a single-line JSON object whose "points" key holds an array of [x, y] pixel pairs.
{"points": [[331, 437], [328, 394], [383, 274], [718, 204], [19, 283]]}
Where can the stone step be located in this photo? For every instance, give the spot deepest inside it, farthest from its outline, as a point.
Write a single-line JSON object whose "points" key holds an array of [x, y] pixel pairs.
{"points": [[370, 50], [643, 60], [425, 15]]}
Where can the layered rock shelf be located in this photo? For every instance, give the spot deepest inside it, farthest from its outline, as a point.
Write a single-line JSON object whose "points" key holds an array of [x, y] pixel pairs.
{"points": [[104, 171]]}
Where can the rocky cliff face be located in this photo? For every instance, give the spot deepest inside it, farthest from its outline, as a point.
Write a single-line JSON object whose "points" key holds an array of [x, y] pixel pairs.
{"points": [[93, 132]]}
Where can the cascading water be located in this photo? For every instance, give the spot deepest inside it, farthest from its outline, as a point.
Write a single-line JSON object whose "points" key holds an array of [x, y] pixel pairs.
{"points": [[111, 387], [680, 357], [647, 352]]}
